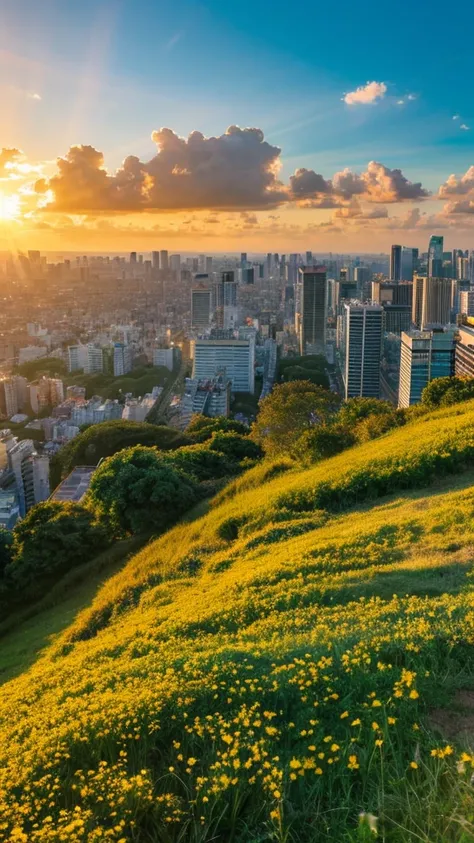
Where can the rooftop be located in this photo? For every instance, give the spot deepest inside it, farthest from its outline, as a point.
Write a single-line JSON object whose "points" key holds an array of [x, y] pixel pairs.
{"points": [[76, 484]]}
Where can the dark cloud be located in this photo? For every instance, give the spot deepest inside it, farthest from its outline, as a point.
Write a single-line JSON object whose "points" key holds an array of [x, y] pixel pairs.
{"points": [[8, 156], [376, 184], [236, 170], [304, 184]]}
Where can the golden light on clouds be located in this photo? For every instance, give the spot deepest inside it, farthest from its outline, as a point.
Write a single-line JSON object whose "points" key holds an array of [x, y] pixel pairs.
{"points": [[9, 207]]}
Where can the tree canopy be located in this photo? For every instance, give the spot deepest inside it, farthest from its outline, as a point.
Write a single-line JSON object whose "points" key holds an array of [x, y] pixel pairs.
{"points": [[442, 392], [288, 411]]}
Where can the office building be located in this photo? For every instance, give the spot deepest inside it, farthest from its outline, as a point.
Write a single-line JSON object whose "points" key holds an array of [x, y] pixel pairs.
{"points": [[206, 396], [208, 265], [435, 257], [397, 318], [313, 310], [122, 359], [77, 357], [361, 349], [464, 352], [407, 266], [362, 280], [309, 259], [35, 479], [226, 301], [396, 263], [9, 404], [417, 300], [243, 260], [248, 275], [166, 357], [155, 260], [425, 355], [201, 307], [237, 357], [9, 509], [164, 263], [466, 302], [175, 263], [437, 301], [17, 454], [133, 258]]}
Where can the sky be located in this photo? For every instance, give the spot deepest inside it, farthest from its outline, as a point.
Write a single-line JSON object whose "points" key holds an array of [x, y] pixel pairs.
{"points": [[229, 126]]}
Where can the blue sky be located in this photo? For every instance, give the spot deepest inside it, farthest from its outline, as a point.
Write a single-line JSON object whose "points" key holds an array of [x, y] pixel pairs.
{"points": [[109, 72]]}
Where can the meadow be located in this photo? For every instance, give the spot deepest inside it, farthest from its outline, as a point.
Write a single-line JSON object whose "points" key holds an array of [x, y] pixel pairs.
{"points": [[294, 665]]}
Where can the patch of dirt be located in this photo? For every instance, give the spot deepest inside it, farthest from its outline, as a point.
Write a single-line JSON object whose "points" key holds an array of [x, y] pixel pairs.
{"points": [[457, 723]]}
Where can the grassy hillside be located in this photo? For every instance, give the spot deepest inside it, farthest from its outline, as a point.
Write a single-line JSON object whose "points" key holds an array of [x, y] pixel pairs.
{"points": [[270, 671]]}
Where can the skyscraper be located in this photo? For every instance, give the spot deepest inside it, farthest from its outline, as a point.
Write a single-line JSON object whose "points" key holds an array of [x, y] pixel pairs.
{"points": [[417, 299], [164, 259], [425, 355], [361, 349], [236, 357], [155, 258], [201, 307], [435, 256], [396, 263], [313, 304], [437, 299]]}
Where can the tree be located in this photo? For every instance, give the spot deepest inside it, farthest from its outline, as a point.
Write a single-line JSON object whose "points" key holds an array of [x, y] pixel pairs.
{"points": [[6, 541], [235, 447], [288, 411], [201, 462], [356, 409], [201, 428], [52, 538], [442, 392], [323, 441], [107, 438], [138, 490]]}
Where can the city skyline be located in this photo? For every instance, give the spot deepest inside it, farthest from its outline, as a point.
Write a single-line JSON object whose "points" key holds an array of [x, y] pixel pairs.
{"points": [[113, 142]]}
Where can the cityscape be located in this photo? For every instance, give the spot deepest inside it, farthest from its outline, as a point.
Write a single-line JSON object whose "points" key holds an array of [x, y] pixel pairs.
{"points": [[212, 329], [236, 422]]}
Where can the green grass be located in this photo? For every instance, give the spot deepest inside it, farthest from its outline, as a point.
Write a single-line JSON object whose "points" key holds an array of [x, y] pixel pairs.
{"points": [[267, 670]]}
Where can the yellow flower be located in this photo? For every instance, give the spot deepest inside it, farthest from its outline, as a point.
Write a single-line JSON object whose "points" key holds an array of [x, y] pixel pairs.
{"points": [[413, 694], [356, 722], [413, 765], [344, 714], [353, 763]]}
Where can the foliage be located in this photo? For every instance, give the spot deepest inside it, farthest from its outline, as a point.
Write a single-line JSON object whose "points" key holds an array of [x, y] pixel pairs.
{"points": [[311, 367], [201, 428], [201, 462], [357, 409], [6, 540], [322, 441], [49, 366], [105, 439], [138, 382], [235, 446], [241, 680], [288, 411], [442, 392], [51, 539], [137, 490]]}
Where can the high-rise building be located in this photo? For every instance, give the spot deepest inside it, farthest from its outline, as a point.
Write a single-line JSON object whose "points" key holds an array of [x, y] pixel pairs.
{"points": [[133, 258], [437, 301], [425, 355], [243, 260], [309, 259], [313, 310], [292, 269], [248, 275], [417, 299], [175, 263], [226, 301], [209, 265], [236, 357], [466, 302], [77, 355], [155, 258], [435, 257], [122, 359], [95, 360], [396, 263], [164, 259], [407, 265], [464, 352], [361, 349], [201, 307], [9, 404]]}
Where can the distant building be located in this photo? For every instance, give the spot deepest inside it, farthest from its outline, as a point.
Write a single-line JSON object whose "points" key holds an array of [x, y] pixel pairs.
{"points": [[122, 359], [396, 263], [9, 509], [464, 352], [313, 310], [166, 357], [201, 307], [435, 257], [466, 302], [208, 397], [425, 355], [361, 349], [437, 300], [237, 357], [77, 357]]}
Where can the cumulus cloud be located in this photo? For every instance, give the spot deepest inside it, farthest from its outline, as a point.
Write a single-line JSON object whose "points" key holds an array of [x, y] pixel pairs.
{"points": [[462, 206], [304, 184], [464, 127], [386, 185], [355, 211], [236, 170], [8, 156], [376, 184], [34, 97], [367, 94], [456, 116], [458, 185]]}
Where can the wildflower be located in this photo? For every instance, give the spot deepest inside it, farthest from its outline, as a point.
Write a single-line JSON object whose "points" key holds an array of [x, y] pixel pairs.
{"points": [[356, 722], [353, 763], [413, 765], [413, 694], [344, 714]]}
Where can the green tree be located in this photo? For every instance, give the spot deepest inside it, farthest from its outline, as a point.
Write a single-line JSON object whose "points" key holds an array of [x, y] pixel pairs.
{"points": [[356, 409], [235, 447], [288, 411], [442, 392], [52, 538], [6, 541], [138, 490], [201, 428], [202, 462], [322, 441], [107, 438]]}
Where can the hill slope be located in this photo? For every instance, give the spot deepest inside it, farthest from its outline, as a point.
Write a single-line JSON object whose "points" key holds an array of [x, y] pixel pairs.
{"points": [[270, 671]]}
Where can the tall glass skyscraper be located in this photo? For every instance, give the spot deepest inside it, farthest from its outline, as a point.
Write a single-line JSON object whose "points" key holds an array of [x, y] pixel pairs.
{"points": [[435, 257]]}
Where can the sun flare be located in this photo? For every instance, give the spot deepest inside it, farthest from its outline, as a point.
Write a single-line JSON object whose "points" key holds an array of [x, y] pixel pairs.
{"points": [[9, 207]]}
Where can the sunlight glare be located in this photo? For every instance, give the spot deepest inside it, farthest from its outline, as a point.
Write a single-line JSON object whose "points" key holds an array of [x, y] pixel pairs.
{"points": [[9, 207]]}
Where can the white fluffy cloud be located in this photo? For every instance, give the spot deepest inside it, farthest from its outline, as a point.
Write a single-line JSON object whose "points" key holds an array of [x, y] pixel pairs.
{"points": [[366, 94]]}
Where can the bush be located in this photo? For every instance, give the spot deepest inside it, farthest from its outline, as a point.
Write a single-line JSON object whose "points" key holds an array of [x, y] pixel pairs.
{"points": [[138, 490], [52, 538], [323, 441], [442, 392], [235, 447], [202, 462], [201, 428], [107, 438]]}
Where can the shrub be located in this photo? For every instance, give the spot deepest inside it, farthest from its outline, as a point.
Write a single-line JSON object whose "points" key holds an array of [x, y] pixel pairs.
{"points": [[442, 392], [138, 489], [202, 462], [201, 428], [235, 446], [322, 441], [52, 538]]}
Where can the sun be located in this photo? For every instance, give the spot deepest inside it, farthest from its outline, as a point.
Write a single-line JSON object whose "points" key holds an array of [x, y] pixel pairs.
{"points": [[9, 207]]}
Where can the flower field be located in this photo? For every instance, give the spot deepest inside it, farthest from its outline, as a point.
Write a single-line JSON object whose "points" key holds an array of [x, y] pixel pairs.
{"points": [[268, 672]]}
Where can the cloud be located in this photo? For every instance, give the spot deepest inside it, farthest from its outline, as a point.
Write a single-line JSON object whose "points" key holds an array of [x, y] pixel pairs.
{"points": [[237, 170], [400, 102], [464, 127], [456, 117], [366, 94], [458, 185], [385, 185], [8, 156], [34, 96], [411, 97], [305, 183], [461, 206], [355, 211]]}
